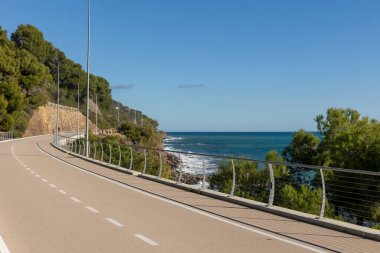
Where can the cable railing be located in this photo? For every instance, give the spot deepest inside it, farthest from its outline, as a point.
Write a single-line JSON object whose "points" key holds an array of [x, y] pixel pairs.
{"points": [[342, 194], [6, 136]]}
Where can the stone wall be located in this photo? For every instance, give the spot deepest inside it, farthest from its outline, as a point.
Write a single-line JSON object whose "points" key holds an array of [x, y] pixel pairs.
{"points": [[43, 120]]}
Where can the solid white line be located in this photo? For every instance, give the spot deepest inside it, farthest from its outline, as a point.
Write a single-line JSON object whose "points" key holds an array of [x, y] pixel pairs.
{"points": [[3, 246], [43, 179], [92, 209], [190, 208], [62, 191], [53, 185], [75, 199], [116, 223], [147, 240]]}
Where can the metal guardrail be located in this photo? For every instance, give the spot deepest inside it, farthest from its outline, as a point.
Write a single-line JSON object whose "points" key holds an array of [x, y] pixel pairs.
{"points": [[337, 193], [6, 136]]}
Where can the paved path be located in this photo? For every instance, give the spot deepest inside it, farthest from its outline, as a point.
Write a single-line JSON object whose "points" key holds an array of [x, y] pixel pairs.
{"points": [[47, 205]]}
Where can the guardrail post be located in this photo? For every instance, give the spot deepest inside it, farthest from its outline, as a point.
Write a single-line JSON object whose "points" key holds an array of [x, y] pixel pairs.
{"points": [[101, 146], [271, 193], [323, 204], [204, 175], [159, 174], [94, 150], [180, 169], [119, 156], [89, 149], [145, 161], [110, 160], [131, 161], [84, 148], [233, 178]]}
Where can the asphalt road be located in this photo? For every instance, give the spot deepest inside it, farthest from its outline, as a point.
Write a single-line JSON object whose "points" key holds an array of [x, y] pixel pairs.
{"points": [[47, 205]]}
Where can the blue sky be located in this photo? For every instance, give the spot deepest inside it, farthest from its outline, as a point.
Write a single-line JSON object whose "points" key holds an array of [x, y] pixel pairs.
{"points": [[222, 65]]}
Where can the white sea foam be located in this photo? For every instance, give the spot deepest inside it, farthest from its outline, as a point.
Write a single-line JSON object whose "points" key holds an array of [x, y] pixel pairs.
{"points": [[171, 138], [195, 164]]}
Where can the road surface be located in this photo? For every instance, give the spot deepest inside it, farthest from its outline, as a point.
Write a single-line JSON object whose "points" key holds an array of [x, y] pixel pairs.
{"points": [[53, 202]]}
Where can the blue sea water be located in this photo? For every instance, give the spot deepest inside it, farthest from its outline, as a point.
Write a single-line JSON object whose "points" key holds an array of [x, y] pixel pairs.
{"points": [[253, 145]]}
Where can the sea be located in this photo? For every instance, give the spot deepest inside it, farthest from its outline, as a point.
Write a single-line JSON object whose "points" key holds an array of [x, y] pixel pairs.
{"points": [[254, 145]]}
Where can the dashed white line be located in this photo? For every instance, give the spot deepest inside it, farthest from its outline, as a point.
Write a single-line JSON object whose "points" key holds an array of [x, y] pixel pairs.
{"points": [[147, 240], [43, 179], [27, 168], [3, 246], [32, 171], [116, 223], [62, 191], [92, 209], [75, 199], [37, 175], [53, 185], [187, 207]]}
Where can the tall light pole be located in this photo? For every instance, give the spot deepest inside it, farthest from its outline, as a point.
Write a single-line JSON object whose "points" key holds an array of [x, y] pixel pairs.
{"points": [[96, 113], [88, 78], [118, 116], [78, 114], [57, 122]]}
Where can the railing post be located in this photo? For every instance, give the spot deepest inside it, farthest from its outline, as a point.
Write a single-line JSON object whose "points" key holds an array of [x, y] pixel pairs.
{"points": [[159, 174], [204, 175], [119, 156], [79, 147], [101, 146], [131, 161], [323, 204], [233, 178], [84, 148], [180, 169], [144, 161], [89, 149], [94, 150], [110, 160], [271, 193]]}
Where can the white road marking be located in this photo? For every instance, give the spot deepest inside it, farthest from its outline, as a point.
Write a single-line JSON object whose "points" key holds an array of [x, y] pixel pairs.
{"points": [[116, 223], [3, 246], [32, 171], [75, 199], [92, 209], [63, 192], [27, 168], [257, 231], [43, 179], [147, 240], [53, 185], [37, 175]]}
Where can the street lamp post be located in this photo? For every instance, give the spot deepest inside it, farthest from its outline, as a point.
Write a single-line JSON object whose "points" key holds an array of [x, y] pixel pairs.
{"points": [[57, 122], [96, 113], [78, 114], [118, 115], [88, 79]]}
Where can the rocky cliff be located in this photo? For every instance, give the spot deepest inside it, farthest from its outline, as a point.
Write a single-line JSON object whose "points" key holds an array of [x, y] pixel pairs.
{"points": [[43, 120]]}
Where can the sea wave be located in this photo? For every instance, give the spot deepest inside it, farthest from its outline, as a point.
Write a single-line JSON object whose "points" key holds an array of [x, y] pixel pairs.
{"points": [[195, 164], [171, 138]]}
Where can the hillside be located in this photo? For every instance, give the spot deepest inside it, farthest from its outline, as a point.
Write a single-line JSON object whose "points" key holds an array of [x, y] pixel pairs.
{"points": [[28, 81]]}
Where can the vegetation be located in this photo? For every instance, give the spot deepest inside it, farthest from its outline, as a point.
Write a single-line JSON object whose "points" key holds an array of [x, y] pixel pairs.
{"points": [[29, 76], [346, 141]]}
